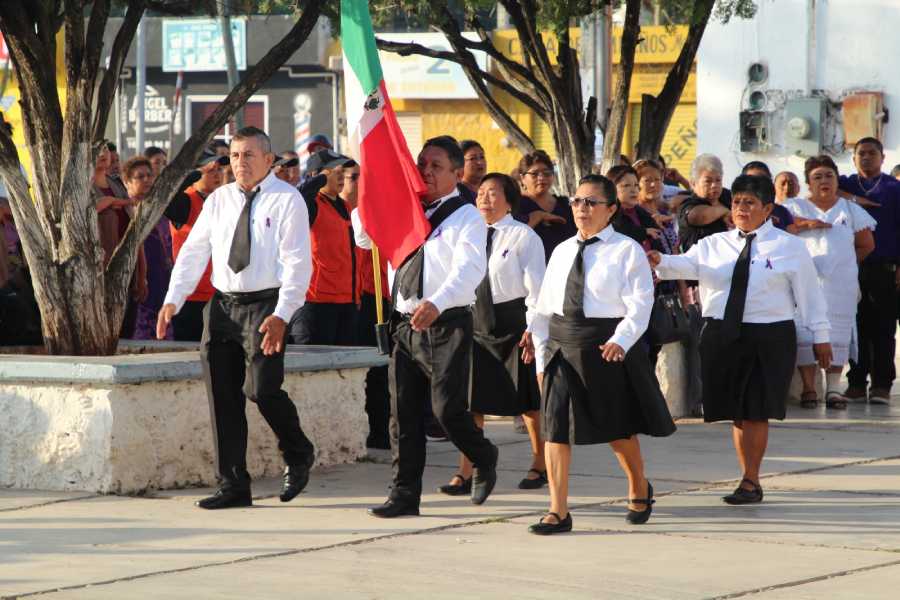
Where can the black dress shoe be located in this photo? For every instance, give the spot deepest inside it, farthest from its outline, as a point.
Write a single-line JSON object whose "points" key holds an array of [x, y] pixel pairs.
{"points": [[561, 525], [227, 498], [463, 489], [639, 517], [484, 480], [295, 479], [536, 483], [394, 508], [742, 495]]}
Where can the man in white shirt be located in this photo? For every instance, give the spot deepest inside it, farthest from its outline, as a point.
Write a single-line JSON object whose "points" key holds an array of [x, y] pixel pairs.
{"points": [[256, 231], [432, 334]]}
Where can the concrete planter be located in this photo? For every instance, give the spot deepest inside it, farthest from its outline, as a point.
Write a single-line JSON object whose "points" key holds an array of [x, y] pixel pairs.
{"points": [[129, 423]]}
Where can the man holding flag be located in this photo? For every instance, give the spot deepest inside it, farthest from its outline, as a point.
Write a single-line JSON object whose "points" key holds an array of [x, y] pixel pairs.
{"points": [[437, 257]]}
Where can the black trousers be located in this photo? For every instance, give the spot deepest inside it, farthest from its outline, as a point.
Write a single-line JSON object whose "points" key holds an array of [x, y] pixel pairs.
{"points": [[437, 360], [324, 324], [876, 320], [378, 397], [234, 369], [187, 325]]}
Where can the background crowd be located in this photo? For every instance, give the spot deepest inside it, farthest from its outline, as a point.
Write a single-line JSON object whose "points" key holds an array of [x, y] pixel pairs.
{"points": [[849, 222]]}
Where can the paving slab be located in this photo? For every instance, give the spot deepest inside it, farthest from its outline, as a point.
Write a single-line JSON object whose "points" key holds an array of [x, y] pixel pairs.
{"points": [[501, 560], [880, 477], [11, 499], [797, 518], [868, 584]]}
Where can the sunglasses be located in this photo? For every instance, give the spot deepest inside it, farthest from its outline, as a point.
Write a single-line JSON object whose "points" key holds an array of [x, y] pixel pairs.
{"points": [[589, 202]]}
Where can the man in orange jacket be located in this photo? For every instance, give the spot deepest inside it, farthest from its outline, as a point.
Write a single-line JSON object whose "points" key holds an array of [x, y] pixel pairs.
{"points": [[182, 213], [329, 315]]}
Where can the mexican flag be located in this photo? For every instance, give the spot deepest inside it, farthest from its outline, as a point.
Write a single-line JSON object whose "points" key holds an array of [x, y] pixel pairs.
{"points": [[389, 183]]}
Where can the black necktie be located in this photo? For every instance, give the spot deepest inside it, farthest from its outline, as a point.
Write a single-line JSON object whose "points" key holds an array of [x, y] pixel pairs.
{"points": [[484, 298], [737, 295], [239, 256], [573, 303]]}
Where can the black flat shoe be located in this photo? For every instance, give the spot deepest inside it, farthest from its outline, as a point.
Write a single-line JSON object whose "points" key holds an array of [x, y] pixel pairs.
{"points": [[229, 498], [639, 517], [463, 489], [536, 483], [742, 495], [561, 525], [484, 480], [295, 479], [394, 508]]}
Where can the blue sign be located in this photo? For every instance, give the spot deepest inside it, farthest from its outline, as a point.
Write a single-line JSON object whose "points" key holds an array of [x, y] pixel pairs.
{"points": [[196, 45]]}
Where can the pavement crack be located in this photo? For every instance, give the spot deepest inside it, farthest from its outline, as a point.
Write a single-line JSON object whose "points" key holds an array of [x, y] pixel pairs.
{"points": [[49, 502], [808, 580]]}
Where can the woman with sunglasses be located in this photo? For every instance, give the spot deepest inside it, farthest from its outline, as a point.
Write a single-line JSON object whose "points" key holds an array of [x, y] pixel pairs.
{"points": [[550, 216], [503, 353], [593, 307]]}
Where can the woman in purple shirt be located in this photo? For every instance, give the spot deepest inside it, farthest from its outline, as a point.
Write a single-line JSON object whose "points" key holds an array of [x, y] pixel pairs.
{"points": [[550, 216]]}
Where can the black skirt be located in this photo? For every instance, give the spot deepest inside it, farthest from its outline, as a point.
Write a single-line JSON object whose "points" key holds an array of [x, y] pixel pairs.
{"points": [[606, 400], [750, 378], [502, 383]]}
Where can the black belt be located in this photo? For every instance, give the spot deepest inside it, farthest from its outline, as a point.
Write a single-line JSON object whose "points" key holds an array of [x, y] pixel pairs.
{"points": [[451, 314], [249, 297]]}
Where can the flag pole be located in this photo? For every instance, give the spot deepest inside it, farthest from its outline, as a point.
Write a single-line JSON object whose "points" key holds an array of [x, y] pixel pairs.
{"points": [[376, 268]]}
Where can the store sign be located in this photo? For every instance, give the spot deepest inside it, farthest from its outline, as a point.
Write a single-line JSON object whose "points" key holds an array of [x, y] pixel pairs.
{"points": [[158, 118], [423, 77], [657, 43], [196, 45]]}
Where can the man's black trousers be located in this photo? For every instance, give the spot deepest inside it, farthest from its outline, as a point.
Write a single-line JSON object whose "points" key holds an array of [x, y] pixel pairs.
{"points": [[235, 368], [438, 360], [876, 320]]}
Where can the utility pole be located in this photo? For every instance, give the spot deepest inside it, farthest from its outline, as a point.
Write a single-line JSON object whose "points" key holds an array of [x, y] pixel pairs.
{"points": [[224, 8], [141, 86]]}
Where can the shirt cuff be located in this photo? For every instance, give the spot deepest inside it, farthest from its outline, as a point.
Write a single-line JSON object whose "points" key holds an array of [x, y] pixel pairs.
{"points": [[624, 341], [282, 313], [439, 300], [170, 299], [820, 336]]}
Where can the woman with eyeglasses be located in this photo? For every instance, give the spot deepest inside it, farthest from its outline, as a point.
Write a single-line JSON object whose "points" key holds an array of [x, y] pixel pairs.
{"points": [[593, 308], [503, 353], [753, 279], [550, 216], [838, 235]]}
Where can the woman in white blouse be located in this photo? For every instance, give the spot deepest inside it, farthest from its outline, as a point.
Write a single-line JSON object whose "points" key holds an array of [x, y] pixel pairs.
{"points": [[593, 308], [751, 279], [503, 375], [838, 235]]}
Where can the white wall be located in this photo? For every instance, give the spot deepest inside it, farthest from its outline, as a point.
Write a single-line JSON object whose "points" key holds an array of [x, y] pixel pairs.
{"points": [[857, 47]]}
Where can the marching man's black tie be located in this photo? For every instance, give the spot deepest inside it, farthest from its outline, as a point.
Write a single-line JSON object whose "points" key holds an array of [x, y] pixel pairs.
{"points": [[239, 256], [484, 298], [573, 303], [737, 295]]}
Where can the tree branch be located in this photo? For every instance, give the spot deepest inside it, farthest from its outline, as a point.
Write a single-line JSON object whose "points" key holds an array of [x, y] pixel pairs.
{"points": [[148, 213], [107, 91], [615, 129], [408, 49], [524, 16]]}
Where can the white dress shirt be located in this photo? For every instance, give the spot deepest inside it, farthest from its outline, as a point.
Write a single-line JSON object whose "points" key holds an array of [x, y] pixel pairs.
{"points": [[516, 266], [783, 279], [618, 283], [279, 246], [454, 258]]}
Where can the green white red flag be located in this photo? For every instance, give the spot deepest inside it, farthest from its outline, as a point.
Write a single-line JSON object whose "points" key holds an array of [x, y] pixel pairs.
{"points": [[389, 183]]}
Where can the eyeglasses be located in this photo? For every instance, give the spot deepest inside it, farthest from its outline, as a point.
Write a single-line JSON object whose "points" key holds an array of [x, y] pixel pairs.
{"points": [[589, 202], [546, 173], [352, 176]]}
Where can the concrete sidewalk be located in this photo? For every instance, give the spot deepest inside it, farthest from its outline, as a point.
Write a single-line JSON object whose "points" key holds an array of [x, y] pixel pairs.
{"points": [[829, 528]]}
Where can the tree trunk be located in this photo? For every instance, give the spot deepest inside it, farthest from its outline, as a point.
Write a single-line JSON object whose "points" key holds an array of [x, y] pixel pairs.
{"points": [[615, 128], [81, 298], [657, 111]]}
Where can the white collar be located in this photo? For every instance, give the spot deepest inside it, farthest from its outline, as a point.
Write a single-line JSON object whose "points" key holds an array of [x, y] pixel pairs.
{"points": [[604, 234], [434, 205], [506, 221], [762, 231]]}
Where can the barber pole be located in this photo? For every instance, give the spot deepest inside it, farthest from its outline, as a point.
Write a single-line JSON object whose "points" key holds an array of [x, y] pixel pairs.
{"points": [[302, 129]]}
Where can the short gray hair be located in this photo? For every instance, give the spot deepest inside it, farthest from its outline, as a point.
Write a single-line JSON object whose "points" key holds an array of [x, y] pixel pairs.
{"points": [[706, 162], [256, 133]]}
